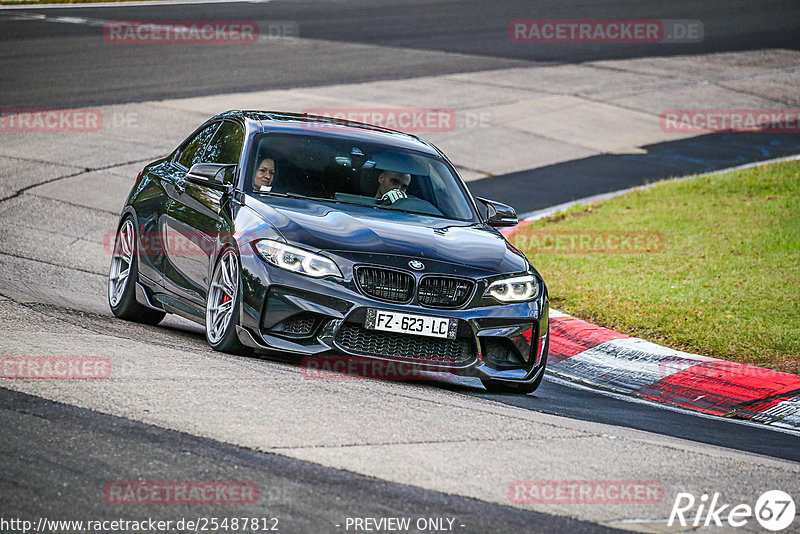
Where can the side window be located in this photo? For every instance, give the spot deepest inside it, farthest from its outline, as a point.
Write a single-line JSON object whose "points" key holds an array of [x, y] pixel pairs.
{"points": [[226, 146], [193, 151]]}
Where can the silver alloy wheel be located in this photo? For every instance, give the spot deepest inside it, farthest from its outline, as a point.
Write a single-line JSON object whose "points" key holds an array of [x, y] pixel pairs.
{"points": [[121, 262], [222, 296]]}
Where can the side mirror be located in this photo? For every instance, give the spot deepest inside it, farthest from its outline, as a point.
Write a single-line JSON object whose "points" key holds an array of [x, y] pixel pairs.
{"points": [[499, 215], [210, 174]]}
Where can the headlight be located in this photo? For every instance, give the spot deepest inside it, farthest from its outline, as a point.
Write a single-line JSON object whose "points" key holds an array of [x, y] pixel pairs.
{"points": [[517, 289], [296, 259]]}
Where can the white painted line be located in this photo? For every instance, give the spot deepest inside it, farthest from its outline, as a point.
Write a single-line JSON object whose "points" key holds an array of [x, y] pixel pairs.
{"points": [[23, 16], [547, 212], [267, 31], [69, 20], [132, 4], [74, 20], [627, 398]]}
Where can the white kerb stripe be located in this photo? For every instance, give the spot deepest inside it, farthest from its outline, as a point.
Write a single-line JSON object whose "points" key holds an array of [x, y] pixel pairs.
{"points": [[785, 413], [626, 365]]}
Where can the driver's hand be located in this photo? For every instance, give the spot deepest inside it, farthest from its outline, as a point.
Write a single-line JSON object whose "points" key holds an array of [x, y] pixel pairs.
{"points": [[390, 197]]}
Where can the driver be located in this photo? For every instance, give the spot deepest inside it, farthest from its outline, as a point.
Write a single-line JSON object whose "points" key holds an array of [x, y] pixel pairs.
{"points": [[392, 186], [265, 174]]}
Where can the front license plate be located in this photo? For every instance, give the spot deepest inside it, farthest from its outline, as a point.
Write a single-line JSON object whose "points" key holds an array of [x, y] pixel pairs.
{"points": [[418, 325]]}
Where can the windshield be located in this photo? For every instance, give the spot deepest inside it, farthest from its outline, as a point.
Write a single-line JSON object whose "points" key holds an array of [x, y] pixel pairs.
{"points": [[356, 172]]}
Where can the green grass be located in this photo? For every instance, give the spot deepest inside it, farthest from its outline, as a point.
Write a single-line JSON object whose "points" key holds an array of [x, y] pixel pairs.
{"points": [[726, 282]]}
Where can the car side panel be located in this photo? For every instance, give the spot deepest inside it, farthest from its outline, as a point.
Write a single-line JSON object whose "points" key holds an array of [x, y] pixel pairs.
{"points": [[149, 200], [194, 226]]}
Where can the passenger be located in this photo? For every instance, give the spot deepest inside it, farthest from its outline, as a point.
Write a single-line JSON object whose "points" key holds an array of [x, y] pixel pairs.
{"points": [[392, 186], [265, 174]]}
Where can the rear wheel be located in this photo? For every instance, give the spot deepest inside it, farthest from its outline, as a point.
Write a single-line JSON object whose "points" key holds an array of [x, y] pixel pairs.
{"points": [[222, 305], [122, 278]]}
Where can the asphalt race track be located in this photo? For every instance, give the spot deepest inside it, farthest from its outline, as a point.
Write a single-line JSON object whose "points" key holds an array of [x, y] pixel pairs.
{"points": [[84, 446], [562, 182], [51, 64], [321, 452]]}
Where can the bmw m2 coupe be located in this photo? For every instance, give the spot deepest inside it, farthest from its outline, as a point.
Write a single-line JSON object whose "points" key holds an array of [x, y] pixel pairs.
{"points": [[311, 236]]}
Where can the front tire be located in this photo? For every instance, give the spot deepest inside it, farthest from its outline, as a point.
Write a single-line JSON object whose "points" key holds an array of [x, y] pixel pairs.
{"points": [[123, 276], [222, 305]]}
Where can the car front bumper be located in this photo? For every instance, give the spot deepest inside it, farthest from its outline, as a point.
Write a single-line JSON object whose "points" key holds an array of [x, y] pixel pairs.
{"points": [[294, 314]]}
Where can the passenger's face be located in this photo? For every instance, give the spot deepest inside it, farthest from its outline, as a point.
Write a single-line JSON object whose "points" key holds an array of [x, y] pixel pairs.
{"points": [[265, 173], [392, 180]]}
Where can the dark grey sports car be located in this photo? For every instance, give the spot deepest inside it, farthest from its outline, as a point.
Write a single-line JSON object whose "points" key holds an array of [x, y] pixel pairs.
{"points": [[318, 237]]}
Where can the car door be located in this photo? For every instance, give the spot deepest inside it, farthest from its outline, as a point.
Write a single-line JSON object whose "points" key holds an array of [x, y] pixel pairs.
{"points": [[196, 217], [158, 192]]}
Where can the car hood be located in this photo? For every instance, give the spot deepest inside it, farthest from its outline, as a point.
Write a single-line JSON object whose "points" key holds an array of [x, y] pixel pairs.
{"points": [[364, 231]]}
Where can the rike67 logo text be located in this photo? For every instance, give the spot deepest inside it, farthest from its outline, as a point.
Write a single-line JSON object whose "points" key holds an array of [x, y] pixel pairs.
{"points": [[774, 510]]}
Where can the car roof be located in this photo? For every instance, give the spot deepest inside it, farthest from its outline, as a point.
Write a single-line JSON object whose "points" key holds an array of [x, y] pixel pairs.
{"points": [[278, 121]]}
